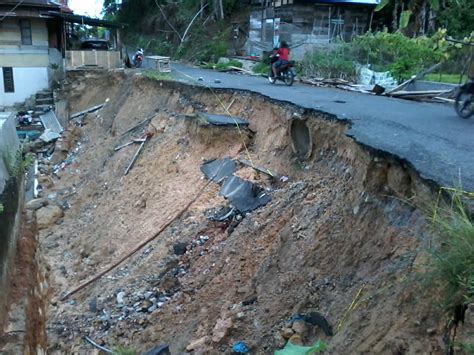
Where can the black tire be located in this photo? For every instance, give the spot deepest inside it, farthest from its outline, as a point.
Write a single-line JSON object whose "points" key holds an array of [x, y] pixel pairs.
{"points": [[464, 103], [288, 78], [271, 78]]}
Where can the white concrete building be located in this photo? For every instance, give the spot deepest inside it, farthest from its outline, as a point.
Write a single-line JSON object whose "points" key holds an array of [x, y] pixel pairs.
{"points": [[31, 41]]}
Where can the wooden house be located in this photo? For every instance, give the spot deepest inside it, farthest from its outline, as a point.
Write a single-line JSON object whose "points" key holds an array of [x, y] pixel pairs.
{"points": [[306, 23]]}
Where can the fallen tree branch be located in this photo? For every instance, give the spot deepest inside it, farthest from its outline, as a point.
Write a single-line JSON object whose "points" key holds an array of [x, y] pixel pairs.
{"points": [[190, 24], [89, 110], [140, 246], [129, 143], [135, 156], [93, 343], [414, 77], [258, 168], [139, 124], [167, 21]]}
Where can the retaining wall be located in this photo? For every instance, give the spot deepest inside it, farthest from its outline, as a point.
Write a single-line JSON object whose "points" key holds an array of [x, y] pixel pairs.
{"points": [[11, 199]]}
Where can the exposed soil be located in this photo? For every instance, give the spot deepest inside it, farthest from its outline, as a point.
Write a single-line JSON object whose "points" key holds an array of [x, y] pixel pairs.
{"points": [[336, 238]]}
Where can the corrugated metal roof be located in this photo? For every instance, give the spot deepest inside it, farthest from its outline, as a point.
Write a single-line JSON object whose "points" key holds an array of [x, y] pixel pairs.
{"points": [[50, 121], [85, 20]]}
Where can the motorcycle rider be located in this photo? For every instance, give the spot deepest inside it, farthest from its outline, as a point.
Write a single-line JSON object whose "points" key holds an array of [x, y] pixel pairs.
{"points": [[137, 53], [283, 54]]}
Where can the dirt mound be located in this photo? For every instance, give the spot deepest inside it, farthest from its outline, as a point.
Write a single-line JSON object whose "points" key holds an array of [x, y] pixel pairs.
{"points": [[333, 244]]}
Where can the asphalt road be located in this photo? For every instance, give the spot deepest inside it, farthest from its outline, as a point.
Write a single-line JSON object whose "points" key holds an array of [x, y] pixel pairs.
{"points": [[431, 137]]}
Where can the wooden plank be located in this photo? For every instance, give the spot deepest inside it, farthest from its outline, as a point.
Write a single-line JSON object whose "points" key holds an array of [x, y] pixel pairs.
{"points": [[89, 110], [135, 156], [420, 93]]}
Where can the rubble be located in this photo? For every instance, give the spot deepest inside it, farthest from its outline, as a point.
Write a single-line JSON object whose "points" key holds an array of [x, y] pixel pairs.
{"points": [[222, 329], [48, 215], [198, 344]]}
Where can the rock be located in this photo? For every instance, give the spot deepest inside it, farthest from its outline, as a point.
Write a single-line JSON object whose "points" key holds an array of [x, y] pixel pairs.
{"points": [[159, 350], [221, 329], [198, 344], [249, 300], [169, 283], [152, 309], [148, 295], [120, 297], [287, 333], [46, 181], [145, 305], [296, 340], [317, 319], [47, 216], [280, 341], [37, 203], [223, 60], [431, 331], [180, 248], [141, 203], [300, 327]]}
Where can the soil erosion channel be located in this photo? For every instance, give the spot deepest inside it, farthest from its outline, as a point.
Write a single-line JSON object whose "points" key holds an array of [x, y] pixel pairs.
{"points": [[334, 241]]}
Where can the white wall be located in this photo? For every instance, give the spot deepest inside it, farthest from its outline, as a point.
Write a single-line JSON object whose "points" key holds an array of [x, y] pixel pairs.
{"points": [[27, 81], [9, 144]]}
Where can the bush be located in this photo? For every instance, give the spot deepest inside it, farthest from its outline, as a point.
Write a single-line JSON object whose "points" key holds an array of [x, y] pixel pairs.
{"points": [[394, 52], [329, 63], [261, 68], [452, 265]]}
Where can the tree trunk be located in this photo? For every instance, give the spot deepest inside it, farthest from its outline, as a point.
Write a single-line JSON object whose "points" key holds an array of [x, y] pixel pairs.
{"points": [[221, 9], [396, 7]]}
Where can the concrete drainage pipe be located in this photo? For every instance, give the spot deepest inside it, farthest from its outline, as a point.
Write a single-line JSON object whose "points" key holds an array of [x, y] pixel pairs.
{"points": [[301, 140]]}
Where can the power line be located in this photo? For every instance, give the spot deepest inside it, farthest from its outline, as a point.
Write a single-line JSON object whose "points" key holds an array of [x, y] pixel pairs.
{"points": [[14, 8]]}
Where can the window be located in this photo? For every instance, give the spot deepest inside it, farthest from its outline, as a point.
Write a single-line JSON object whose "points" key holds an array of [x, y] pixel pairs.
{"points": [[25, 28], [8, 80]]}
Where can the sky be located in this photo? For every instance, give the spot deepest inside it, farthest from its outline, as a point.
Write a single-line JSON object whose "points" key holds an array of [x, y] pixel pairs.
{"points": [[91, 8]]}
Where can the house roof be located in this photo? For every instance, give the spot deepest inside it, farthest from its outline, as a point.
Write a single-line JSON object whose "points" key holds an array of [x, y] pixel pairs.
{"points": [[40, 3], [355, 2], [84, 20], [30, 8]]}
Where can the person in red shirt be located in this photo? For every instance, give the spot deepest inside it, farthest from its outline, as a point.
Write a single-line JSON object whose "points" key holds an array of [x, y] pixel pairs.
{"points": [[283, 54]]}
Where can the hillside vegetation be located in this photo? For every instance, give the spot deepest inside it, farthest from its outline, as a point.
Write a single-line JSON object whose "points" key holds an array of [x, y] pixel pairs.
{"points": [[189, 30]]}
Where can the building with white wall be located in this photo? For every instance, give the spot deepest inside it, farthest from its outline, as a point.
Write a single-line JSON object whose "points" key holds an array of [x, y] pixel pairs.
{"points": [[31, 40]]}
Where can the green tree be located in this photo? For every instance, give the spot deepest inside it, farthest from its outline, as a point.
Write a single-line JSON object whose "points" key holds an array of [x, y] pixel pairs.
{"points": [[420, 17]]}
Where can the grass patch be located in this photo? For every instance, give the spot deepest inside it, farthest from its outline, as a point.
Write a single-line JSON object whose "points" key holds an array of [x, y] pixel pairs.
{"points": [[156, 75], [334, 62], [261, 68], [445, 78], [452, 262], [124, 351]]}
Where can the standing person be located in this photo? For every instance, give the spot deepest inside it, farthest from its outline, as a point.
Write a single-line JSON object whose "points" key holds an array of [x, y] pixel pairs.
{"points": [[283, 54]]}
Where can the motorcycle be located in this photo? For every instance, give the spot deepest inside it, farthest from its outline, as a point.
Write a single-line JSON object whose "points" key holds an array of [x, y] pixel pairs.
{"points": [[138, 58], [464, 101], [285, 73]]}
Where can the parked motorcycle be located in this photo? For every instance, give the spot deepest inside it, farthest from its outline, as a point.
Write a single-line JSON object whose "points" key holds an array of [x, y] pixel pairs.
{"points": [[464, 101], [284, 73], [138, 58]]}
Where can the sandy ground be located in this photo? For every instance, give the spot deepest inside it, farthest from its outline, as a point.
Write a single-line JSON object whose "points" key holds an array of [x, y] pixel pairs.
{"points": [[334, 239]]}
